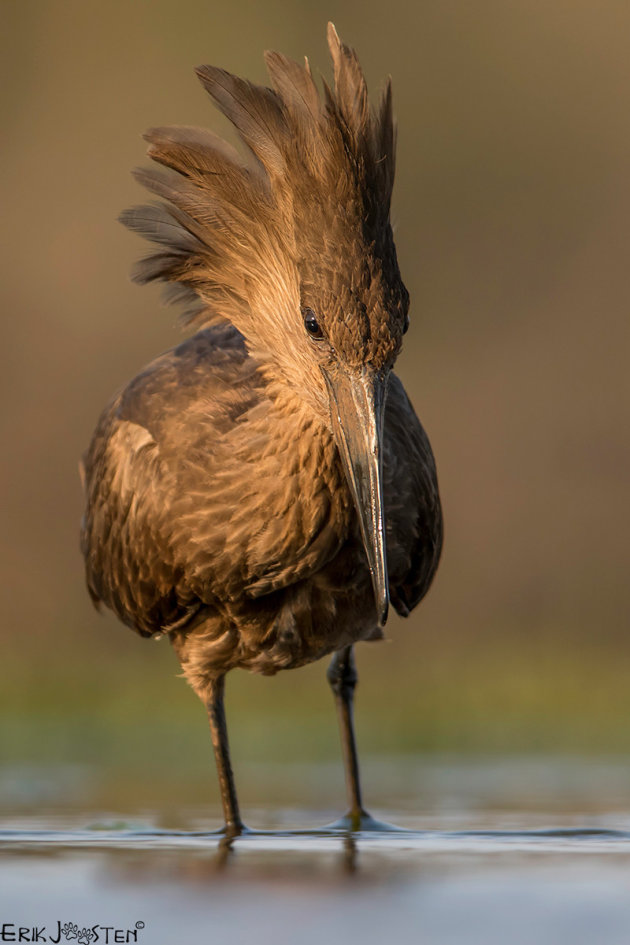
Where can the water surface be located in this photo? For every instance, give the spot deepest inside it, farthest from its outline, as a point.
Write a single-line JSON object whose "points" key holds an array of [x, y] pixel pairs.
{"points": [[475, 861]]}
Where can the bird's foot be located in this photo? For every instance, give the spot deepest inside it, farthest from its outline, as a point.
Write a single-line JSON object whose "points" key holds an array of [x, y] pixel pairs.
{"points": [[231, 830], [359, 822]]}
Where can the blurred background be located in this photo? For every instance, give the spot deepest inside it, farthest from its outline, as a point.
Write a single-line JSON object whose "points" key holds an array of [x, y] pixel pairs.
{"points": [[511, 211]]}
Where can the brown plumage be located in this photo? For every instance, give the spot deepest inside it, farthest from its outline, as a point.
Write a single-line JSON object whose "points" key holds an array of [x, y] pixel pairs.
{"points": [[262, 491]]}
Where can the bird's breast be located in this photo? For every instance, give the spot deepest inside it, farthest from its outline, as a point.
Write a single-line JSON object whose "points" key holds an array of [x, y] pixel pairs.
{"points": [[266, 507]]}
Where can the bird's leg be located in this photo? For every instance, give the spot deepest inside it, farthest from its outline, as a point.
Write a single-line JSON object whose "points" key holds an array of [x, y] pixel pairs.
{"points": [[218, 729], [342, 676]]}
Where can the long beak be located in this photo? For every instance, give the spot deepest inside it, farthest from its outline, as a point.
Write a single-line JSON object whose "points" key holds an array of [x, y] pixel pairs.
{"points": [[357, 405]]}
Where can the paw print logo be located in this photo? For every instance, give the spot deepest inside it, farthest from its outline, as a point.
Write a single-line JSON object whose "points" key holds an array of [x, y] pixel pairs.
{"points": [[70, 931], [85, 936]]}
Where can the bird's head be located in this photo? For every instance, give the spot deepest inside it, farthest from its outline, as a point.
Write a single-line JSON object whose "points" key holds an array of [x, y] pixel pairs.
{"points": [[292, 244]]}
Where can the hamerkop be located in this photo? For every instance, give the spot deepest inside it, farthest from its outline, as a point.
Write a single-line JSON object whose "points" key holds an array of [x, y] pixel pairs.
{"points": [[262, 492]]}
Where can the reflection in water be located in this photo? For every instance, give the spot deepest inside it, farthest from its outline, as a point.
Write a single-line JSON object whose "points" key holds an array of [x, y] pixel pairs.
{"points": [[224, 849], [464, 868], [349, 854], [279, 857], [489, 885]]}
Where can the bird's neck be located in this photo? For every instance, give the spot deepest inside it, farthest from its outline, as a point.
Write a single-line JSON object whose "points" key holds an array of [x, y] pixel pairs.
{"points": [[287, 470], [295, 385]]}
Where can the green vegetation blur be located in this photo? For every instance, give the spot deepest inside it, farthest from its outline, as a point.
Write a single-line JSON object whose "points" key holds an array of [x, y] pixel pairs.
{"points": [[511, 212]]}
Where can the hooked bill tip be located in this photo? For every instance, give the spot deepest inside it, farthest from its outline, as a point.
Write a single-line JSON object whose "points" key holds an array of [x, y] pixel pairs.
{"points": [[384, 612]]}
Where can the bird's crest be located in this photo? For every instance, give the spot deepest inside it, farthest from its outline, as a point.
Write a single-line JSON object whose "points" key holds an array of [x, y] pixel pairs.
{"points": [[314, 189]]}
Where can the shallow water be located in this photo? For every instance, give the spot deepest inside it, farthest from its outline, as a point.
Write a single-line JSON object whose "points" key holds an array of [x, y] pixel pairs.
{"points": [[477, 862]]}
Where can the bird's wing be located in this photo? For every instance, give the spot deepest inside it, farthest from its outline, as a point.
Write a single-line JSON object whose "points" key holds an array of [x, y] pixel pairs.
{"points": [[132, 476], [412, 503], [125, 567], [196, 497]]}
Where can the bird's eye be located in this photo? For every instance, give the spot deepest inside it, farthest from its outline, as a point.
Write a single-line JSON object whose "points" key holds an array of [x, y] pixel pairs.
{"points": [[311, 324]]}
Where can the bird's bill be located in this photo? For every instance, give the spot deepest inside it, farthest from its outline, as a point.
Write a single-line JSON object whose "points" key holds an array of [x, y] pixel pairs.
{"points": [[357, 404]]}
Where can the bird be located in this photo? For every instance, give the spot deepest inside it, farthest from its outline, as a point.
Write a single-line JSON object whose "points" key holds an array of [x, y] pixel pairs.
{"points": [[261, 493]]}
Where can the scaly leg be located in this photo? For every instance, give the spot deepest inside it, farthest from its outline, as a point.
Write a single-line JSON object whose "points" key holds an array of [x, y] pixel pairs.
{"points": [[342, 676], [218, 729]]}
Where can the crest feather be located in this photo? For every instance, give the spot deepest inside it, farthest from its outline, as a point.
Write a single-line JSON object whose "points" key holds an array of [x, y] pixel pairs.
{"points": [[245, 234], [295, 87], [254, 110], [350, 87]]}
